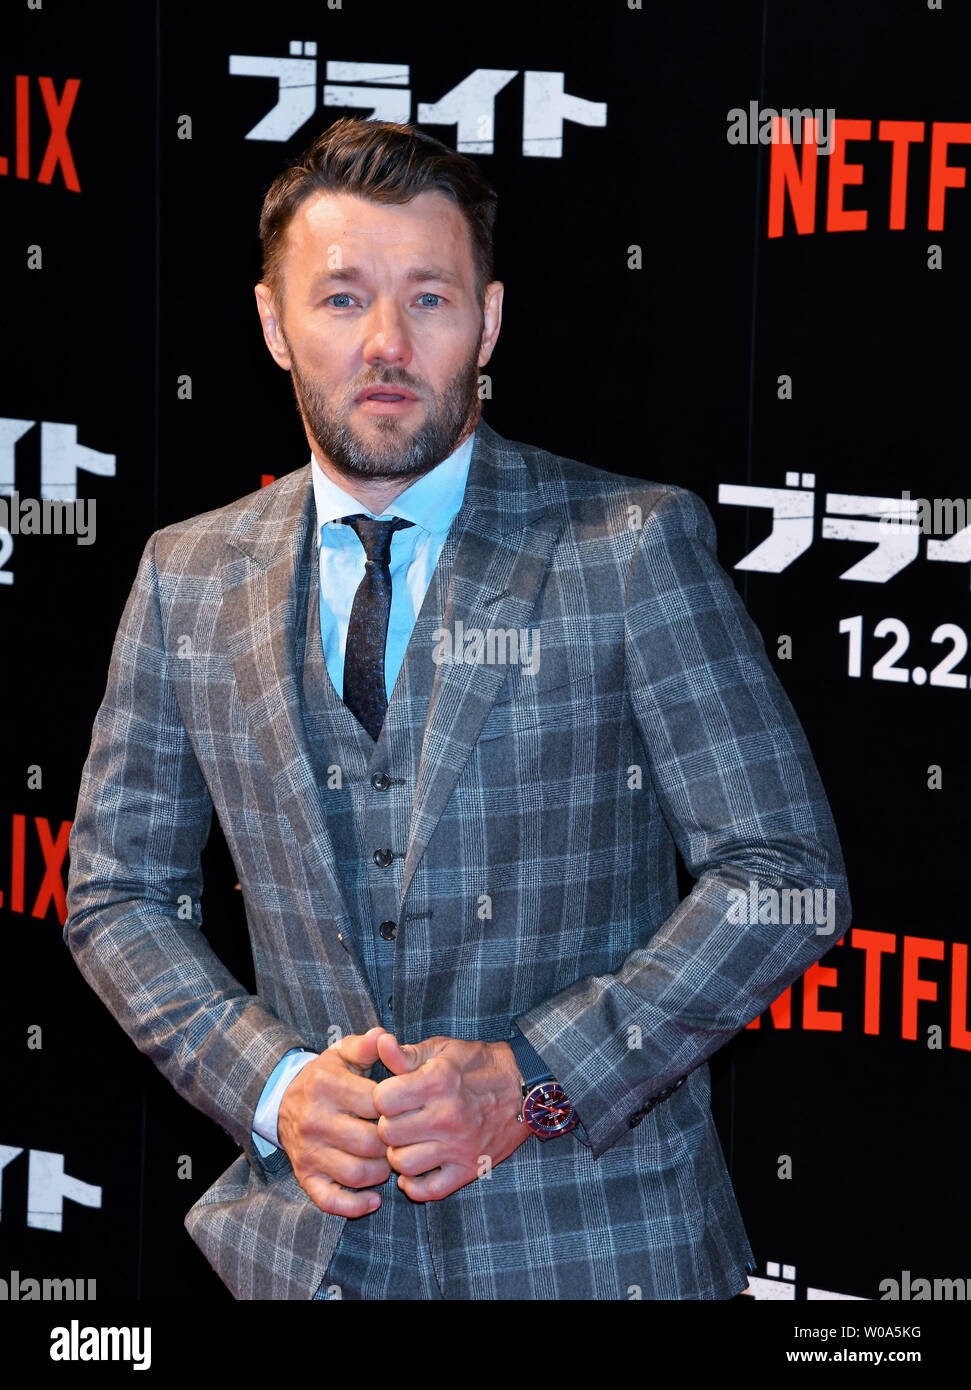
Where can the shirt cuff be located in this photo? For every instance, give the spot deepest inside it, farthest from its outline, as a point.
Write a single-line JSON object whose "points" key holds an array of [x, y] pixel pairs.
{"points": [[265, 1136]]}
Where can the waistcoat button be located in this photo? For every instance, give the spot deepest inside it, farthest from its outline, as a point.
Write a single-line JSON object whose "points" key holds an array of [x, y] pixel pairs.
{"points": [[383, 857], [389, 930], [380, 781]]}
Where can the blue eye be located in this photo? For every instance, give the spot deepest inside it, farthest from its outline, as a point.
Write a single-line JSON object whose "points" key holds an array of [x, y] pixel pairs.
{"points": [[349, 298]]}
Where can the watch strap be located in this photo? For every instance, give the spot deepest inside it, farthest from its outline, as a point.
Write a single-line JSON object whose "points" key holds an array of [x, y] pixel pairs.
{"points": [[531, 1066]]}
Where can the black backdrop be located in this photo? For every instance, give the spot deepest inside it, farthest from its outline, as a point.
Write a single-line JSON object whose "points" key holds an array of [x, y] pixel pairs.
{"points": [[129, 256]]}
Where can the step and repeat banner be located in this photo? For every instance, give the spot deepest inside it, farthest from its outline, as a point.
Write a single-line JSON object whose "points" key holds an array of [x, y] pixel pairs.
{"points": [[735, 245]]}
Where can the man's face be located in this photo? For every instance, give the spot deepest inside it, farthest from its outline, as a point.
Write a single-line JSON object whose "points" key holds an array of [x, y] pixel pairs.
{"points": [[379, 297]]}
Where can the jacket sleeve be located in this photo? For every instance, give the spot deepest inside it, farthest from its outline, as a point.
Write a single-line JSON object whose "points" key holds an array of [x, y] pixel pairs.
{"points": [[133, 912], [741, 796]]}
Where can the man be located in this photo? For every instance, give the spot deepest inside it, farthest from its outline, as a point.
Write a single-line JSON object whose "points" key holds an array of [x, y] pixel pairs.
{"points": [[475, 1066]]}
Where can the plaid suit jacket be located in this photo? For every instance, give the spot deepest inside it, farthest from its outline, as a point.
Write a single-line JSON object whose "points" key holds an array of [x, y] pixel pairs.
{"points": [[557, 796]]}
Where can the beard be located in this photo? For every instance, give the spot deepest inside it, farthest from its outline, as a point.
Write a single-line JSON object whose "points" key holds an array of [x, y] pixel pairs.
{"points": [[398, 452]]}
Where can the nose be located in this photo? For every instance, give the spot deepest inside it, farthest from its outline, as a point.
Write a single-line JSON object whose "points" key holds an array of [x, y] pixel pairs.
{"points": [[387, 343]]}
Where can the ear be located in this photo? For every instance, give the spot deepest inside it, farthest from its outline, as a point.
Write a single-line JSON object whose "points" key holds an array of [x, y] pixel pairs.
{"points": [[270, 319], [492, 319]]}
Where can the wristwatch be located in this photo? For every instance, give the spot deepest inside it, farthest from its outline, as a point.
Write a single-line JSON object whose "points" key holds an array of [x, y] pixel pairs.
{"points": [[545, 1109]]}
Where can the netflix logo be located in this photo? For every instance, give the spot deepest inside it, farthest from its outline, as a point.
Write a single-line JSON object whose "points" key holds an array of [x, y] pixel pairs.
{"points": [[37, 879], [898, 977], [56, 151], [794, 173]]}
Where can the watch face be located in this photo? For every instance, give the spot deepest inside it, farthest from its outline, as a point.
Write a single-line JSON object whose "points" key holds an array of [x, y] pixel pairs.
{"points": [[547, 1110]]}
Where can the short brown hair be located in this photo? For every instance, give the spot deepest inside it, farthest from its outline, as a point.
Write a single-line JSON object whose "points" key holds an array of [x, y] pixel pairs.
{"points": [[388, 163]]}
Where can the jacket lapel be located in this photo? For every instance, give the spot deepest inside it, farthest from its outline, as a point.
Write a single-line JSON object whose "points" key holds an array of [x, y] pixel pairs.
{"points": [[492, 568], [266, 573]]}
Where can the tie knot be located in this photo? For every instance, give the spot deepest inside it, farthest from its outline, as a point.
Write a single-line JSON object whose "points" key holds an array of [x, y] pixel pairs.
{"points": [[376, 535]]}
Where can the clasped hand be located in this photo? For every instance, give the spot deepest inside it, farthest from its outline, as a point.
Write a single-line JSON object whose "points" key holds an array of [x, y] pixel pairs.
{"points": [[445, 1117]]}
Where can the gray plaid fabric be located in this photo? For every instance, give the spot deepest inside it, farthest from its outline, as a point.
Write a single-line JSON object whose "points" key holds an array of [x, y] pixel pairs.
{"points": [[383, 1257], [535, 882]]}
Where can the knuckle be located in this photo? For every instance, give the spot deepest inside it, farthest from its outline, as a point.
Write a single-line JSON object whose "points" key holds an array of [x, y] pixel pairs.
{"points": [[447, 1117], [436, 1076], [356, 1174]]}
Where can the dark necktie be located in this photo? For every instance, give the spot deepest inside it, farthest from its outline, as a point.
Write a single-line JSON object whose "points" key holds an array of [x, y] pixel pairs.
{"points": [[367, 633]]}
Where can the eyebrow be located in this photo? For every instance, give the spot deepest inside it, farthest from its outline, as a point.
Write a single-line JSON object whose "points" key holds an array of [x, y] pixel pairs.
{"points": [[417, 275]]}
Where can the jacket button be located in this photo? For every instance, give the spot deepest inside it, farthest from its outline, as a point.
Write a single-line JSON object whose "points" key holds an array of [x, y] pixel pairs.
{"points": [[380, 781], [389, 930], [383, 857]]}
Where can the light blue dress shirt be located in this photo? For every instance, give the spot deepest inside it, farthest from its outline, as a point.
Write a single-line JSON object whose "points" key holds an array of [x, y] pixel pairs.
{"points": [[431, 503]]}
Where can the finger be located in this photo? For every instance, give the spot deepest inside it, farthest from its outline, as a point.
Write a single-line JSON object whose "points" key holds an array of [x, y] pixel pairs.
{"points": [[353, 1136], [434, 1186], [433, 1079], [412, 1159], [331, 1197], [360, 1049], [413, 1126], [347, 1169], [345, 1090], [398, 1094], [397, 1057]]}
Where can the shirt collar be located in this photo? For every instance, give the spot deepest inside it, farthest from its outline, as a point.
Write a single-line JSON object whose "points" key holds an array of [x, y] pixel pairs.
{"points": [[431, 502]]}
